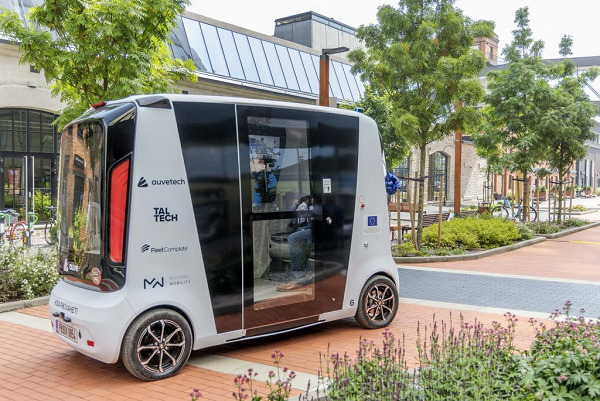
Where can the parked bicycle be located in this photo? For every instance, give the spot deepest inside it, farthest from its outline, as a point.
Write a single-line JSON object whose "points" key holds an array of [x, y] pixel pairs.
{"points": [[11, 229], [514, 212], [50, 228]]}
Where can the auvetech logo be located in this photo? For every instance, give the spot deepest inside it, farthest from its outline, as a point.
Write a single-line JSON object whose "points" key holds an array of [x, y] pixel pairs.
{"points": [[143, 183], [145, 248]]}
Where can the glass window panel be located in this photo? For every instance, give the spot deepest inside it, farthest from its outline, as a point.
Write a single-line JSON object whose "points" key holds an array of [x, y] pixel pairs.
{"points": [[231, 54], [246, 57], [280, 181], [333, 82], [47, 144], [315, 60], [20, 130], [274, 64], [197, 46], [179, 42], [351, 82], [6, 134], [213, 45], [313, 76], [286, 64], [35, 132], [261, 61], [361, 87], [14, 193], [299, 69], [339, 71]]}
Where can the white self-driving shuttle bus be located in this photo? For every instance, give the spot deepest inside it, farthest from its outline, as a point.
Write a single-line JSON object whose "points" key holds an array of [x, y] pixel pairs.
{"points": [[192, 221]]}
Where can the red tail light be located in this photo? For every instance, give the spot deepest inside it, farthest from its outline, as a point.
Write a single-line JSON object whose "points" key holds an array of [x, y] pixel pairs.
{"points": [[119, 182]]}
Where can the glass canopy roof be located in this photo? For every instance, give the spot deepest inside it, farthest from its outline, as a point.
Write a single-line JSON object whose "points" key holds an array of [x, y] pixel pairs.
{"points": [[222, 52]]}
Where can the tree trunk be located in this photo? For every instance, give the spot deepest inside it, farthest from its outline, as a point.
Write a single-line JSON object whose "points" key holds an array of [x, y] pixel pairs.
{"points": [[423, 150], [560, 196]]}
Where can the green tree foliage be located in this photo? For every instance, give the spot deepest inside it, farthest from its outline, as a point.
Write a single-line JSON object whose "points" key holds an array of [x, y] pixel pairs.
{"points": [[419, 59], [568, 122], [95, 50], [512, 138], [536, 111]]}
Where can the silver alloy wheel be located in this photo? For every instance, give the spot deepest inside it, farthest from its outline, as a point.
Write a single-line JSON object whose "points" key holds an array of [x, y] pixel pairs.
{"points": [[161, 345], [380, 303]]}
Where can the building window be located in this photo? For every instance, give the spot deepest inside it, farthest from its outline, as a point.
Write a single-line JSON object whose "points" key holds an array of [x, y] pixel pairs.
{"points": [[438, 167]]}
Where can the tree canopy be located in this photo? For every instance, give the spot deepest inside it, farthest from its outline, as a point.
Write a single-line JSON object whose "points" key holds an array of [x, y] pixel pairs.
{"points": [[96, 50], [419, 60], [537, 111]]}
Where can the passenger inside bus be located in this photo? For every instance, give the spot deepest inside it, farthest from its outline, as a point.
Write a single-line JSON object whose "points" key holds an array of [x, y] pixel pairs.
{"points": [[301, 247]]}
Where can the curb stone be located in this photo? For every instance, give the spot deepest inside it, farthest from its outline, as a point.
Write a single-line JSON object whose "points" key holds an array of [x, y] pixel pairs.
{"points": [[478, 255], [24, 303], [569, 231], [470, 256]]}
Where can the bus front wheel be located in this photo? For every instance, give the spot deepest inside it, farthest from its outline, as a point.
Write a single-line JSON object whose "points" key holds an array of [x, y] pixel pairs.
{"points": [[378, 303], [157, 344]]}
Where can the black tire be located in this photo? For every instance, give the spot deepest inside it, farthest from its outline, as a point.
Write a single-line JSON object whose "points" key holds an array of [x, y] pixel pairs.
{"points": [[18, 235], [500, 212], [378, 303], [50, 232], [157, 345], [532, 215]]}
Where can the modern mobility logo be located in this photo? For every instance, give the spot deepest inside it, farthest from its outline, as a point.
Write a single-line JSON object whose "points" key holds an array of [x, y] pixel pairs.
{"points": [[172, 281], [143, 183]]}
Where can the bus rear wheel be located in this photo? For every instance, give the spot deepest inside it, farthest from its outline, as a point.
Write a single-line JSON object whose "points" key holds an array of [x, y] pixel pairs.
{"points": [[378, 303], [157, 344]]}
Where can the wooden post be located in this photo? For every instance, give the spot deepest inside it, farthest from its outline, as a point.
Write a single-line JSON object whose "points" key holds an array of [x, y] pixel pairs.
{"points": [[440, 212], [398, 224], [571, 197], [457, 170], [324, 80], [413, 235]]}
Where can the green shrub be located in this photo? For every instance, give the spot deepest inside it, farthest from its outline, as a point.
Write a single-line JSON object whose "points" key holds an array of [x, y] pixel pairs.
{"points": [[543, 227], [569, 223], [564, 360], [472, 233], [24, 276], [525, 231]]}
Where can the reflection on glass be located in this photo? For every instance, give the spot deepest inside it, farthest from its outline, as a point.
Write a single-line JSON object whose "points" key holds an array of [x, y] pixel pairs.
{"points": [[333, 82], [231, 54], [213, 45], [274, 64], [351, 82], [79, 214], [179, 43], [246, 57], [286, 64], [299, 69], [313, 76], [339, 71], [261, 60], [198, 48]]}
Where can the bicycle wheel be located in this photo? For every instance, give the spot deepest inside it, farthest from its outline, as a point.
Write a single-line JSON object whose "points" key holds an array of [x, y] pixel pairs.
{"points": [[18, 235], [500, 212], [532, 215], [50, 232]]}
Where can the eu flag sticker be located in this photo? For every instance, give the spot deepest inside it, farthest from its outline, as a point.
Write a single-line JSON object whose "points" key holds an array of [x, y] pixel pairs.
{"points": [[372, 221]]}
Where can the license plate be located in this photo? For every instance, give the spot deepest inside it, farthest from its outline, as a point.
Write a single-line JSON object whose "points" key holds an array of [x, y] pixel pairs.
{"points": [[66, 331]]}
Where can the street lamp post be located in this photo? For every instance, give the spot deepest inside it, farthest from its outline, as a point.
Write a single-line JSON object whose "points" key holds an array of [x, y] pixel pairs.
{"points": [[324, 73]]}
